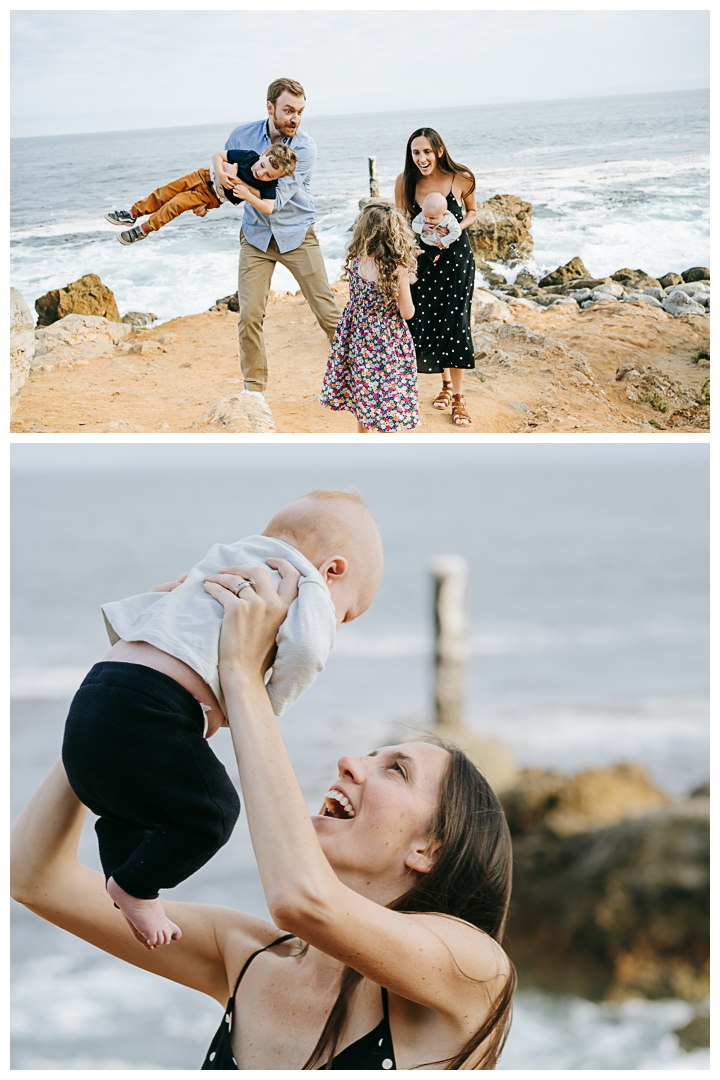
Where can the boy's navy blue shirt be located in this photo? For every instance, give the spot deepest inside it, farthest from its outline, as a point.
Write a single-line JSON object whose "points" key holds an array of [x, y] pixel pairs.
{"points": [[245, 159]]}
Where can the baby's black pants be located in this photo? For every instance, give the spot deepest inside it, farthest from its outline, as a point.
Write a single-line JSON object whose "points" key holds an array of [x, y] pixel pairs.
{"points": [[134, 753]]}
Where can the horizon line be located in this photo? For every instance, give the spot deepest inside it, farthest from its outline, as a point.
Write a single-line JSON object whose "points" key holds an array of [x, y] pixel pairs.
{"points": [[578, 96]]}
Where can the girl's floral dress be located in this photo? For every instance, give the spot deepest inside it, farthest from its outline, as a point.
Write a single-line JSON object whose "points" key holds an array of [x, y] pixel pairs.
{"points": [[371, 371]]}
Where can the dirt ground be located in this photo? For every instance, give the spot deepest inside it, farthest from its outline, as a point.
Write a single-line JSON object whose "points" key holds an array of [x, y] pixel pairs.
{"points": [[558, 374]]}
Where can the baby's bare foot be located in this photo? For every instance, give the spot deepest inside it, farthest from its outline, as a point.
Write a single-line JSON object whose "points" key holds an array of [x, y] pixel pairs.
{"points": [[146, 918]]}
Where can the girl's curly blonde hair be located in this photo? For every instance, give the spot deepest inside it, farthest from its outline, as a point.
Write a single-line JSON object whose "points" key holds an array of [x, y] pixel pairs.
{"points": [[382, 234]]}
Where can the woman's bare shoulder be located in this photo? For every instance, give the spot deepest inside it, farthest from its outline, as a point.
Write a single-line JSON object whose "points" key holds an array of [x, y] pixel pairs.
{"points": [[466, 180], [474, 952]]}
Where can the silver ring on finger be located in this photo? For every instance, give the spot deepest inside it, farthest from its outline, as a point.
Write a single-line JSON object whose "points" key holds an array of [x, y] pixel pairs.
{"points": [[248, 581]]}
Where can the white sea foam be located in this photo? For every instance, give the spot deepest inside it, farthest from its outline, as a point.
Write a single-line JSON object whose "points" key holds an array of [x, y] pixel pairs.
{"points": [[563, 1032]]}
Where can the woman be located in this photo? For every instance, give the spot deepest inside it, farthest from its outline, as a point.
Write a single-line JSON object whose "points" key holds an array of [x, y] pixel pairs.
{"points": [[391, 901], [443, 295]]}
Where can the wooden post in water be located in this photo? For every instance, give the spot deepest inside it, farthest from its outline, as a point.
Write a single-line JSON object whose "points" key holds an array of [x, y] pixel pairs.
{"points": [[374, 189], [450, 573]]}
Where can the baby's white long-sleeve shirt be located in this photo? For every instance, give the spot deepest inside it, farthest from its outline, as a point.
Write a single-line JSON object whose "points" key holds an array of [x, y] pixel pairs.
{"points": [[186, 622], [449, 222]]}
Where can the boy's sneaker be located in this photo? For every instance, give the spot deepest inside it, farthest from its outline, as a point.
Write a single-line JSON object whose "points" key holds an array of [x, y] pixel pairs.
{"points": [[120, 217], [132, 235]]}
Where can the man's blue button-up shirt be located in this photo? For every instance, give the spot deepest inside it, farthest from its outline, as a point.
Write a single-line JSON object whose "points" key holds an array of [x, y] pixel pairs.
{"points": [[294, 210]]}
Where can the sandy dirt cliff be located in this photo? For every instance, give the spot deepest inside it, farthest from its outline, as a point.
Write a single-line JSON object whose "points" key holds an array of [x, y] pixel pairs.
{"points": [[612, 367]]}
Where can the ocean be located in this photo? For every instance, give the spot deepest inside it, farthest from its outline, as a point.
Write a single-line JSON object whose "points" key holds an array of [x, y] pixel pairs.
{"points": [[588, 624], [620, 181]]}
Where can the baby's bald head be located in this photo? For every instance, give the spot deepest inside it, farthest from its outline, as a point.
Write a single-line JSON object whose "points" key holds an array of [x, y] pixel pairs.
{"points": [[434, 207], [337, 534]]}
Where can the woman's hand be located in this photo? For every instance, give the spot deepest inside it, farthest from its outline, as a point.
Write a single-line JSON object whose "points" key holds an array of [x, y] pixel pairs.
{"points": [[252, 616]]}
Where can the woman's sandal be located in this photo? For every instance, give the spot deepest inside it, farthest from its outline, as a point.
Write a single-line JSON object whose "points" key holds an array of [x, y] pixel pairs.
{"points": [[459, 412], [445, 396]]}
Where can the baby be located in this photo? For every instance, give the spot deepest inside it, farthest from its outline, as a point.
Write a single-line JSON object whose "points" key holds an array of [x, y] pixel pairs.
{"points": [[434, 215], [135, 746], [235, 176]]}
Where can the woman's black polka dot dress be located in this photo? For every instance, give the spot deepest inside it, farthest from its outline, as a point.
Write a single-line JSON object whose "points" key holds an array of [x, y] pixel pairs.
{"points": [[443, 298]]}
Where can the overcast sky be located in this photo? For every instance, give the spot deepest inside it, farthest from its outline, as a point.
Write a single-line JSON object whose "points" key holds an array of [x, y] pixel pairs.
{"points": [[85, 70]]}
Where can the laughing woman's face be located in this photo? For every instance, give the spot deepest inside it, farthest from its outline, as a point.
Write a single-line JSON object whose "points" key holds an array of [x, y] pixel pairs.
{"points": [[423, 155], [374, 819]]}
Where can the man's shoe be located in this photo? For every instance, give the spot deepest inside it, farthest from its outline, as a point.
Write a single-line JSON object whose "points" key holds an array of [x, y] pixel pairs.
{"points": [[120, 217], [132, 235]]}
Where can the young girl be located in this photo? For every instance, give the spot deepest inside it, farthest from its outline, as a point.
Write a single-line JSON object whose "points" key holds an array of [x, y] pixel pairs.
{"points": [[371, 371]]}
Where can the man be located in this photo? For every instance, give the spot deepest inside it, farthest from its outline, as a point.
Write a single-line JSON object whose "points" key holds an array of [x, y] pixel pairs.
{"points": [[285, 236]]}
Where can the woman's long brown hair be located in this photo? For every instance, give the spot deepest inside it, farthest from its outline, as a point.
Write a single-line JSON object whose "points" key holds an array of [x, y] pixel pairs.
{"points": [[444, 163], [470, 880]]}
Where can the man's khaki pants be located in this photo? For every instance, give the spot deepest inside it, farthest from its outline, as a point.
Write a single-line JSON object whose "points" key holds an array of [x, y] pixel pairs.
{"points": [[307, 266]]}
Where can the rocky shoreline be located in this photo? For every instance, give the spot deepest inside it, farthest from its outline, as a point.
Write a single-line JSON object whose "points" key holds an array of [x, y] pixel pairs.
{"points": [[563, 352], [614, 367]]}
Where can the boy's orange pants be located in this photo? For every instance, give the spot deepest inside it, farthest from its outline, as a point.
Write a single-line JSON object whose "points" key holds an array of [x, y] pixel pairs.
{"points": [[175, 198]]}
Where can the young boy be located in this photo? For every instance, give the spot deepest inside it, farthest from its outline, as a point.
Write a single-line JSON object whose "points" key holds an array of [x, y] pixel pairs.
{"points": [[135, 747], [235, 176]]}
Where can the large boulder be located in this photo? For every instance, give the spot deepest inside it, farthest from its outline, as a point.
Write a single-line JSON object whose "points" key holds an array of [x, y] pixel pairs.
{"points": [[670, 279], [139, 318], [680, 303], [229, 303], [502, 229], [563, 274], [645, 298], [612, 912], [696, 273], [87, 296], [76, 337], [22, 345], [491, 276], [243, 413], [628, 277], [486, 307]]}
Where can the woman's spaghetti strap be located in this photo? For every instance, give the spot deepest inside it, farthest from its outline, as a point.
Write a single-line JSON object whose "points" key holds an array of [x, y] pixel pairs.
{"points": [[248, 962]]}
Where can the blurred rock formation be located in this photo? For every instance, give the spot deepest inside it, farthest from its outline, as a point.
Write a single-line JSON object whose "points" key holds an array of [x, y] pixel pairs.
{"points": [[611, 886]]}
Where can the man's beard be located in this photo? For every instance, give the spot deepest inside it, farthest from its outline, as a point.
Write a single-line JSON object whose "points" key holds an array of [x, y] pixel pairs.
{"points": [[284, 127]]}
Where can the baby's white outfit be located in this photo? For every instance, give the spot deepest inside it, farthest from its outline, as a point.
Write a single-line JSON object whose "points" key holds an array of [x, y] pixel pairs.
{"points": [[186, 622], [449, 222]]}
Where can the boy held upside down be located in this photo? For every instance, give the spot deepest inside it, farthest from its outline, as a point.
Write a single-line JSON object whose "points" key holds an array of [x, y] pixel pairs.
{"points": [[135, 746], [235, 176]]}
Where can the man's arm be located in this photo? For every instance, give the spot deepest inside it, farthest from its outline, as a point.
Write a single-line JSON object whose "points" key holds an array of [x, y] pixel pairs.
{"points": [[219, 161]]}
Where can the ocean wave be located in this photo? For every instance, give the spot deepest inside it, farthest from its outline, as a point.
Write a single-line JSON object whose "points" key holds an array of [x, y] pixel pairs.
{"points": [[565, 1032]]}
